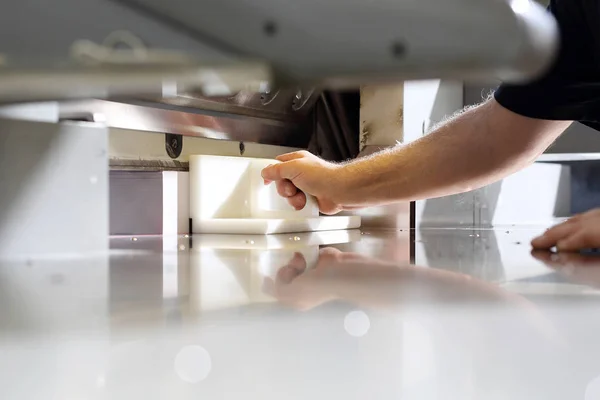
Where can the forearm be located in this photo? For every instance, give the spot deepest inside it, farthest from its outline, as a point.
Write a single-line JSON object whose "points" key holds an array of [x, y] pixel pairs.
{"points": [[479, 147]]}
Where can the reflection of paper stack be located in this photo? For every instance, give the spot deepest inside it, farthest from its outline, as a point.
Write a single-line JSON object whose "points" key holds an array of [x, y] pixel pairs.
{"points": [[229, 270]]}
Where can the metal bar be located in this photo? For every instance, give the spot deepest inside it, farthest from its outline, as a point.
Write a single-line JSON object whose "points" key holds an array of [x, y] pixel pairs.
{"points": [[211, 125]]}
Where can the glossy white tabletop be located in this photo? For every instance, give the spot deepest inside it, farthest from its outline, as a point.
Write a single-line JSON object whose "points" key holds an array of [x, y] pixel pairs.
{"points": [[331, 316]]}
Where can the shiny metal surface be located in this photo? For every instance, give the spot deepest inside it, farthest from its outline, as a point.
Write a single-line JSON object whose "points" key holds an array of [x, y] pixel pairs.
{"points": [[283, 104], [341, 316], [187, 121]]}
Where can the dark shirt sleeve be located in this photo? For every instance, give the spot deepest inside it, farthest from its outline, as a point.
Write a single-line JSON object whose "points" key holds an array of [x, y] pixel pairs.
{"points": [[570, 90]]}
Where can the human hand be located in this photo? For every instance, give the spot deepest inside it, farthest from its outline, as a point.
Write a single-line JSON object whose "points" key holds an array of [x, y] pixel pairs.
{"points": [[302, 173], [581, 232]]}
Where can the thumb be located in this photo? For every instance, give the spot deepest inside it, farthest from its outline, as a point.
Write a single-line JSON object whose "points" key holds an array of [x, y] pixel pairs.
{"points": [[280, 171]]}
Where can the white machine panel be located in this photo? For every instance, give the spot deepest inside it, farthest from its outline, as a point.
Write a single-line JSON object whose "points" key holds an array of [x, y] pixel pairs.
{"points": [[54, 196]]}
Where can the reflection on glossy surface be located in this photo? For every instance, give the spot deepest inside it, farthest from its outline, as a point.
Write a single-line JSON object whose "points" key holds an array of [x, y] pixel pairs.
{"points": [[357, 323], [193, 364], [578, 268], [326, 316], [592, 391]]}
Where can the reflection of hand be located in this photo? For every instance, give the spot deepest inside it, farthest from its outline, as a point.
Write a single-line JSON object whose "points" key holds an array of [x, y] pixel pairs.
{"points": [[374, 284], [302, 289], [578, 233], [370, 282], [579, 268]]}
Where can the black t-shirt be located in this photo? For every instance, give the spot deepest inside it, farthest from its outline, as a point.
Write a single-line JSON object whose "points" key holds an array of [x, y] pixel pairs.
{"points": [[571, 88]]}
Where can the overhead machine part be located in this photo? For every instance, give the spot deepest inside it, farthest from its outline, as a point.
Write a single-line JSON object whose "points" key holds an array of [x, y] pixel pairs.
{"points": [[103, 48]]}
